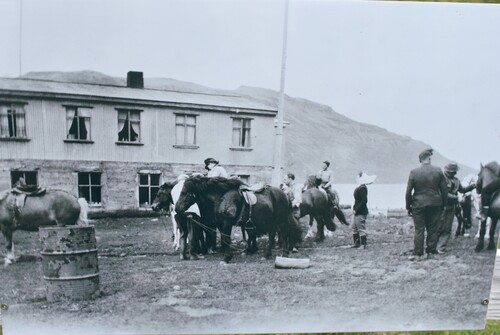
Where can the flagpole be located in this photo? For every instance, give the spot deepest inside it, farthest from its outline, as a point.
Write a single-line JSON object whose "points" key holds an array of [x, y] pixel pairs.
{"points": [[278, 149], [20, 36]]}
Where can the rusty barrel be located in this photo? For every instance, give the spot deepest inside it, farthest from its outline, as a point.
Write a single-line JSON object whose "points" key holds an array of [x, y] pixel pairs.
{"points": [[69, 262]]}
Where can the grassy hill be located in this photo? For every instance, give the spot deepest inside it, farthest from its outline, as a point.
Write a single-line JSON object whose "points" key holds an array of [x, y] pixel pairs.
{"points": [[315, 133]]}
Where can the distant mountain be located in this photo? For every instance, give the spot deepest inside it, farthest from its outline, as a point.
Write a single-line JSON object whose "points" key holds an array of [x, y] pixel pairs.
{"points": [[315, 133]]}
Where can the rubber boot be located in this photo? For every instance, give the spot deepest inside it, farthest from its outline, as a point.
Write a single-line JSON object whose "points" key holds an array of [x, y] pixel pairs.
{"points": [[355, 238], [483, 214], [363, 241]]}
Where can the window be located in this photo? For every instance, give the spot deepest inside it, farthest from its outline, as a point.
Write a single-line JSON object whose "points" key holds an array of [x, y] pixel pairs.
{"points": [[77, 123], [29, 177], [129, 126], [12, 121], [185, 129], [89, 187], [241, 132], [149, 184]]}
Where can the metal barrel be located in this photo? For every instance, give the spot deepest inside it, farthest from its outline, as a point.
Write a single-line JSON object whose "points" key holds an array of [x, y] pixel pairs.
{"points": [[69, 262]]}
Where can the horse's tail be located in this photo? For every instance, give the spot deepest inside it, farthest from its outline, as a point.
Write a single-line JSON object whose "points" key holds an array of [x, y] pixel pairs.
{"points": [[294, 230], [84, 210]]}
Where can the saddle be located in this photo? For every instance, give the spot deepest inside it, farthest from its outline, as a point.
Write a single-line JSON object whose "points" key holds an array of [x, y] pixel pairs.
{"points": [[248, 192]]}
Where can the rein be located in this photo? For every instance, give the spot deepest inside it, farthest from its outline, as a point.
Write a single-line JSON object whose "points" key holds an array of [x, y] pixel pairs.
{"points": [[214, 230]]}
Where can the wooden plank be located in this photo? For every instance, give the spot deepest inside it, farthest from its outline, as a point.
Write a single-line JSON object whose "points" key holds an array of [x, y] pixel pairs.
{"points": [[494, 305]]}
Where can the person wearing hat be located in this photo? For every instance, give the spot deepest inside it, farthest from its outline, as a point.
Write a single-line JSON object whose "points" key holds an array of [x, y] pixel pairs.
{"points": [[426, 196], [325, 177], [214, 169], [360, 209], [448, 215]]}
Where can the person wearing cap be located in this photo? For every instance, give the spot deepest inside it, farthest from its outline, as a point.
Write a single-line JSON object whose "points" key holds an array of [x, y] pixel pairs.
{"points": [[325, 177], [360, 209], [426, 196], [448, 215], [293, 191], [214, 169]]}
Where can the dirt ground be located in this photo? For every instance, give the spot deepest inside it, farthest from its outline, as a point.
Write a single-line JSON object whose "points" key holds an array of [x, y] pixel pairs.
{"points": [[147, 289]]}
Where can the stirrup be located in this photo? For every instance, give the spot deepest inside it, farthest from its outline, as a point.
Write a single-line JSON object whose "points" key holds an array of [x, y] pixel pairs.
{"points": [[249, 225]]}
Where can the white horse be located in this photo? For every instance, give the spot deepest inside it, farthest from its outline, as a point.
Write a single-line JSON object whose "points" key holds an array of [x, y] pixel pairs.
{"points": [[173, 191]]}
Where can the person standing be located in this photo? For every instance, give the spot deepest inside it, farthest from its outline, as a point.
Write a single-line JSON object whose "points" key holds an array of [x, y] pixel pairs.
{"points": [[360, 209], [447, 216], [214, 169], [293, 191], [426, 197]]}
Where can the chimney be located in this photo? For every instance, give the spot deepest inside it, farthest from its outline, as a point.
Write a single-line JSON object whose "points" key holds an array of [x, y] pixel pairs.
{"points": [[135, 79]]}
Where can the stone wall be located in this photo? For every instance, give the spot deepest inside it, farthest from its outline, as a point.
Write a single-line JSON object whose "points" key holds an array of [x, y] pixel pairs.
{"points": [[119, 180]]}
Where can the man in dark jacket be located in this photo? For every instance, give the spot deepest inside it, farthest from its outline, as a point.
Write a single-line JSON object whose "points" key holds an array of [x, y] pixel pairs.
{"points": [[360, 210], [426, 196]]}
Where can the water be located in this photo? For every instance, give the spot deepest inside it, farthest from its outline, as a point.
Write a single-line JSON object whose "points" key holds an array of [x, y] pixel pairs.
{"points": [[381, 196]]}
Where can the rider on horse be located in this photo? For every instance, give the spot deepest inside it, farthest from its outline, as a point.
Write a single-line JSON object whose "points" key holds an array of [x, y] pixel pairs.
{"points": [[325, 176], [487, 191]]}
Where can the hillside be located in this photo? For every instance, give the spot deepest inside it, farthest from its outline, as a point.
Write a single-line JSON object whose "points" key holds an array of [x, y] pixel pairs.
{"points": [[315, 133]]}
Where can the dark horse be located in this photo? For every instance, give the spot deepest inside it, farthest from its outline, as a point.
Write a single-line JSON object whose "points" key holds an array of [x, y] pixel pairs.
{"points": [[463, 212], [199, 238], [222, 206], [315, 204], [486, 176], [51, 208]]}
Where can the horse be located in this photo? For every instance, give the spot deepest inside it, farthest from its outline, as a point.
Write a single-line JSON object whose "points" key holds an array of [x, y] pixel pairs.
{"points": [[315, 202], [485, 177], [221, 201], [184, 230], [463, 210], [29, 213]]}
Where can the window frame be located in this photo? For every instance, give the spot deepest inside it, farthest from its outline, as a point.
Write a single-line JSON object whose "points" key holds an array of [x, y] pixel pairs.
{"points": [[90, 186], [149, 186], [139, 135], [24, 172], [17, 109], [185, 141], [241, 137], [89, 130]]}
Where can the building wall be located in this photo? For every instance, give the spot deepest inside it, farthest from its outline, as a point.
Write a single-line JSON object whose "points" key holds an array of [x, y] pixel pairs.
{"points": [[119, 179], [46, 129]]}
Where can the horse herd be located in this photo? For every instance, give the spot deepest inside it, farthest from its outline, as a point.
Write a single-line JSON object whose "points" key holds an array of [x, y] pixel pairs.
{"points": [[204, 205]]}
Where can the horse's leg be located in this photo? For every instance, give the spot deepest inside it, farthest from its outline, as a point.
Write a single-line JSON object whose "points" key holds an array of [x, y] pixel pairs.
{"points": [[491, 242], [460, 226], [10, 257], [480, 241], [310, 229], [243, 233], [184, 232], [270, 246], [226, 240], [320, 225], [177, 233]]}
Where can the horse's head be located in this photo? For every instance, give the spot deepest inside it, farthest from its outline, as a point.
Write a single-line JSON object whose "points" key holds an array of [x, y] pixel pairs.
{"points": [[163, 198], [187, 198], [312, 181], [487, 174]]}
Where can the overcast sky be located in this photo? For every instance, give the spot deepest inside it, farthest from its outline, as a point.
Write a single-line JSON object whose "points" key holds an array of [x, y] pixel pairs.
{"points": [[427, 70]]}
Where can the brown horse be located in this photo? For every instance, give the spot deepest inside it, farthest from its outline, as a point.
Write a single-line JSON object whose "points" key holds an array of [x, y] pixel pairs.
{"points": [[54, 207], [486, 176], [315, 204], [222, 205]]}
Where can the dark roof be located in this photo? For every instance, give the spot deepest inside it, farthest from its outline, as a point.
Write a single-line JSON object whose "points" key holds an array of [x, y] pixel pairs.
{"points": [[96, 92]]}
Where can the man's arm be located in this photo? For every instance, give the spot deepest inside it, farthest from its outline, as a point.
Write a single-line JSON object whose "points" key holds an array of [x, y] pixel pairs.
{"points": [[409, 189]]}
